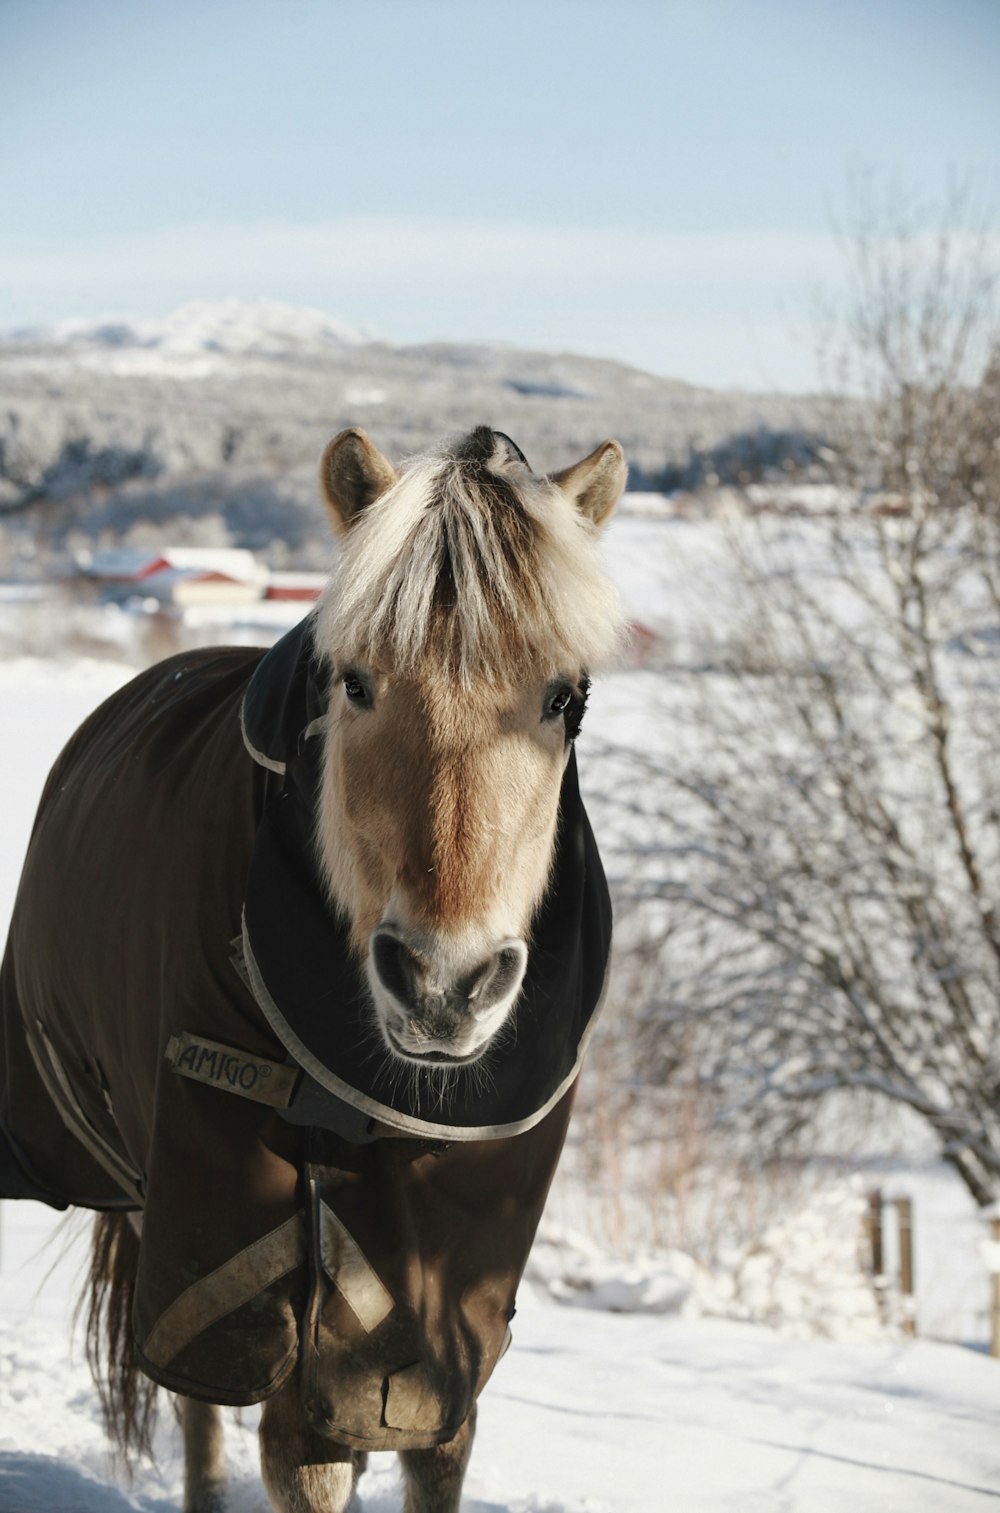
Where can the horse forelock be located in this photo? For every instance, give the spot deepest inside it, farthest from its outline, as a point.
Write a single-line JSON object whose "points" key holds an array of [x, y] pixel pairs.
{"points": [[475, 565]]}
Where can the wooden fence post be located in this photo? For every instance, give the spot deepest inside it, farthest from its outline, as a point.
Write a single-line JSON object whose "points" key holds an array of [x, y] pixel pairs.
{"points": [[873, 1224], [904, 1211], [875, 1231]]}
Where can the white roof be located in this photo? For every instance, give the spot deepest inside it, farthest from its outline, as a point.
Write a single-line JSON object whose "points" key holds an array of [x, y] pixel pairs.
{"points": [[131, 562], [235, 562]]}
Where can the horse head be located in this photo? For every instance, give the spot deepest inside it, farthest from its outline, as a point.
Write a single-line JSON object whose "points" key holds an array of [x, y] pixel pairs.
{"points": [[464, 614]]}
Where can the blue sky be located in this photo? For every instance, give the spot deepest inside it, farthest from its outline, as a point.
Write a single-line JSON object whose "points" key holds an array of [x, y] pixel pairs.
{"points": [[650, 181]]}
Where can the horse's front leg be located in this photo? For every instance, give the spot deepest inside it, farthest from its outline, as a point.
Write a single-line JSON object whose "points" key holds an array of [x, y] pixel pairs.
{"points": [[303, 1471], [204, 1456], [433, 1478]]}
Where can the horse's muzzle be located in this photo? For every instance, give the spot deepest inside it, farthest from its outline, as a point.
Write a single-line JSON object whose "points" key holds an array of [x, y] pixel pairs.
{"points": [[433, 1013]]}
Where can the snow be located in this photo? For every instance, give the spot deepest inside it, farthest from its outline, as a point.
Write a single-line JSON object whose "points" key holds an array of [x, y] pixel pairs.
{"points": [[42, 703], [195, 340], [639, 1380], [588, 1412], [796, 1270]]}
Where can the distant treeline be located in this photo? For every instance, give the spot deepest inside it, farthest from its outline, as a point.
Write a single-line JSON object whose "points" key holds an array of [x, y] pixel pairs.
{"points": [[88, 494], [86, 471], [80, 467], [752, 456]]}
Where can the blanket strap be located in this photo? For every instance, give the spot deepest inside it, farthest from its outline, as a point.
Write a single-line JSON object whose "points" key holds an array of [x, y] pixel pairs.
{"points": [[346, 1264], [227, 1288]]}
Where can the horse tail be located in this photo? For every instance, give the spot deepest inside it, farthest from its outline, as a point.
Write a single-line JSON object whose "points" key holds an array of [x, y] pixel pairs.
{"points": [[128, 1398]]}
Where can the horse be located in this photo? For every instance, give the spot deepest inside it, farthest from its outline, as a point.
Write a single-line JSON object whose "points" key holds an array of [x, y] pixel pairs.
{"points": [[305, 957]]}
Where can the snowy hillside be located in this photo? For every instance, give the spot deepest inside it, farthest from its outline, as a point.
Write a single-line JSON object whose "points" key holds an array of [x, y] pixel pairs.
{"points": [[196, 339], [231, 399]]}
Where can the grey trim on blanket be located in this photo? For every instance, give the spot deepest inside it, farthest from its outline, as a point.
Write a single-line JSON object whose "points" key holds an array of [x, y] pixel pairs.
{"points": [[315, 727], [258, 756], [59, 1088], [407, 1124]]}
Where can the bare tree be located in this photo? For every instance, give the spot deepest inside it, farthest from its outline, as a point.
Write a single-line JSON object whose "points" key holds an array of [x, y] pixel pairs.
{"points": [[819, 853]]}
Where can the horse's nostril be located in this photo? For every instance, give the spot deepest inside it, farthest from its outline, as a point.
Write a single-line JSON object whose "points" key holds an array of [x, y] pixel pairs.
{"points": [[500, 976], [422, 995], [395, 965], [471, 985]]}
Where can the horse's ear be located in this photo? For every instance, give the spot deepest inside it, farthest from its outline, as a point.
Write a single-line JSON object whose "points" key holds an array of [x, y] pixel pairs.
{"points": [[596, 484], [353, 474]]}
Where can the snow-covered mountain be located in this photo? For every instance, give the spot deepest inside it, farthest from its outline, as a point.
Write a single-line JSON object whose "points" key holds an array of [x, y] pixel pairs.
{"points": [[222, 410], [197, 338]]}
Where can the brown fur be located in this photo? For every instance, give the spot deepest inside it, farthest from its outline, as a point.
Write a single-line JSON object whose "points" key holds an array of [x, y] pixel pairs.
{"points": [[303, 1472], [204, 1456], [433, 1478], [352, 470], [445, 798]]}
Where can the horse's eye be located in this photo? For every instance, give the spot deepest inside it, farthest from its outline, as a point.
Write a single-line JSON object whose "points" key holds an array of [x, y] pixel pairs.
{"points": [[566, 702], [355, 689]]}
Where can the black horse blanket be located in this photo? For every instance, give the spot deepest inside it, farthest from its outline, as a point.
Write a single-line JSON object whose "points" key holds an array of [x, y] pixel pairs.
{"points": [[185, 1032]]}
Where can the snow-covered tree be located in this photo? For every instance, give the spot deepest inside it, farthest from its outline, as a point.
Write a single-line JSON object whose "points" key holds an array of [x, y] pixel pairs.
{"points": [[821, 844]]}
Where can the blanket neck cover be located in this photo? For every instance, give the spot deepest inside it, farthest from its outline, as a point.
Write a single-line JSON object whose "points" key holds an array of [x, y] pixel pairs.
{"points": [[297, 956]]}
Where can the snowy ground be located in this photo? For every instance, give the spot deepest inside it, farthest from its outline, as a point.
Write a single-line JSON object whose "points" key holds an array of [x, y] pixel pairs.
{"points": [[591, 1410], [587, 1413]]}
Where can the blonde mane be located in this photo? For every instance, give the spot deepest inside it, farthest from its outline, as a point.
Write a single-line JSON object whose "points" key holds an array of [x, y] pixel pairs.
{"points": [[472, 562]]}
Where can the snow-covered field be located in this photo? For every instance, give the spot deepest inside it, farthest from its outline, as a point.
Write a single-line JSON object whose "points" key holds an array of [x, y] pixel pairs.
{"points": [[589, 1412], [662, 1409]]}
